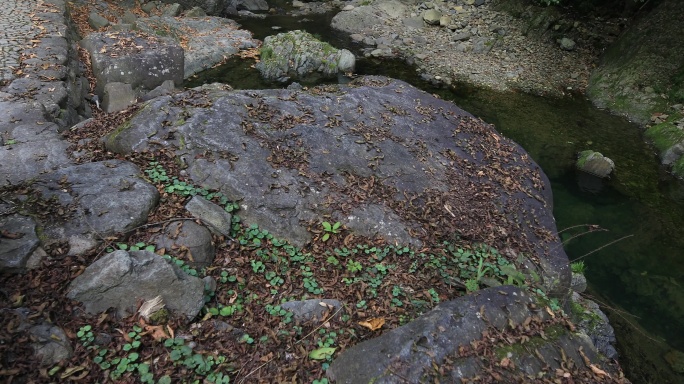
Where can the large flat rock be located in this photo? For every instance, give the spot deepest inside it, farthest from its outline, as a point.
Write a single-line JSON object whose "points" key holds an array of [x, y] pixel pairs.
{"points": [[378, 151]]}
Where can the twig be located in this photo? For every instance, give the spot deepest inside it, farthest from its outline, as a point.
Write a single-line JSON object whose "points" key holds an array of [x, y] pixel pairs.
{"points": [[319, 327], [603, 246]]}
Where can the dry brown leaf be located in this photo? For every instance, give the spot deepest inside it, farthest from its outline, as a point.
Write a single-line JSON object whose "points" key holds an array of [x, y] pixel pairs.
{"points": [[598, 371], [373, 324], [157, 332]]}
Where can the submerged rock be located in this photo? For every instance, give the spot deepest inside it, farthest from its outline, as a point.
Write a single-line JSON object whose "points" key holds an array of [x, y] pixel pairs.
{"points": [[594, 163], [299, 55]]}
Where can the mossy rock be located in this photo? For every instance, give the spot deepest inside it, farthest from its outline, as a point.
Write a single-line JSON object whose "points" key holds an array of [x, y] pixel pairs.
{"points": [[668, 138]]}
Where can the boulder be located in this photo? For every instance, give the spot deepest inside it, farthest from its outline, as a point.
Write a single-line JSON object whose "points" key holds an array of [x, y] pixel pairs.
{"points": [[15, 250], [467, 337], [299, 55], [190, 241], [172, 10], [100, 199], [96, 21], [117, 97], [595, 324], [208, 40], [211, 7], [121, 279], [125, 57], [249, 5], [432, 16], [195, 12], [296, 155], [594, 163], [362, 18]]}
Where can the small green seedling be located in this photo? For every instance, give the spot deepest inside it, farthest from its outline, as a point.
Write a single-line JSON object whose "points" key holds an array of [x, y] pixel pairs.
{"points": [[330, 229]]}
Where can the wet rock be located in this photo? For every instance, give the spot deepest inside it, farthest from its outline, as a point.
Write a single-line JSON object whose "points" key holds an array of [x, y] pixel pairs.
{"points": [[313, 309], [50, 344], [216, 217], [100, 199], [189, 240], [15, 252], [594, 323], [280, 139], [409, 353], [209, 40], [299, 55], [120, 279], [594, 163], [144, 67]]}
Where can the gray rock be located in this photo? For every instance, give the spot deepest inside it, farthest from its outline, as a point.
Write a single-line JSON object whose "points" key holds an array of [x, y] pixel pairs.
{"points": [[313, 309], [166, 88], [15, 253], [216, 217], [250, 5], [172, 10], [96, 21], [129, 18], [210, 40], [594, 163], [146, 66], [190, 240], [195, 12], [567, 44], [119, 279], [578, 282], [34, 154], [432, 16], [478, 3], [482, 44], [357, 20], [461, 36], [595, 324], [149, 7], [211, 7], [444, 21], [410, 353], [299, 55], [413, 22], [104, 198], [277, 139], [50, 344], [117, 97]]}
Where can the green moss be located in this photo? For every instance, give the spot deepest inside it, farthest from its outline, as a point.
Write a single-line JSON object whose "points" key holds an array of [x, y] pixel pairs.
{"points": [[666, 134], [678, 168], [160, 317], [266, 53]]}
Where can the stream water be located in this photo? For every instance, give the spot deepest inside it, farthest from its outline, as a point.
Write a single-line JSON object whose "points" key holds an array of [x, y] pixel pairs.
{"points": [[641, 206]]}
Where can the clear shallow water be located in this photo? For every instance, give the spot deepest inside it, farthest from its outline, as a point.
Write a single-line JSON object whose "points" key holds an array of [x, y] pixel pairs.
{"points": [[644, 273]]}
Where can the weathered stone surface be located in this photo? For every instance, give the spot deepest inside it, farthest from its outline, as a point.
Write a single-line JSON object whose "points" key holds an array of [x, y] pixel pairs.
{"points": [[358, 19], [567, 44], [97, 21], [106, 197], [410, 353], [209, 40], [119, 279], [249, 5], [216, 217], [578, 282], [291, 156], [195, 12], [313, 309], [50, 344], [144, 63], [211, 7], [172, 10], [432, 16], [299, 55], [595, 163], [595, 324], [190, 240], [117, 97], [15, 253]]}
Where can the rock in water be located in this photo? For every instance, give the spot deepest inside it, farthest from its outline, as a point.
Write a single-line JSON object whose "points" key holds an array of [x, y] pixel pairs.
{"points": [[595, 163], [299, 55]]}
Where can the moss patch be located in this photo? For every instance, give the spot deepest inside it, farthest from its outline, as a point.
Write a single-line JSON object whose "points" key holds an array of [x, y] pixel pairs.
{"points": [[666, 134]]}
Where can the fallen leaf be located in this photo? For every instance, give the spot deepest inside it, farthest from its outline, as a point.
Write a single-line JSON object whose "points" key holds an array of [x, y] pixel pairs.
{"points": [[373, 324], [598, 371], [70, 371], [10, 235], [322, 353]]}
